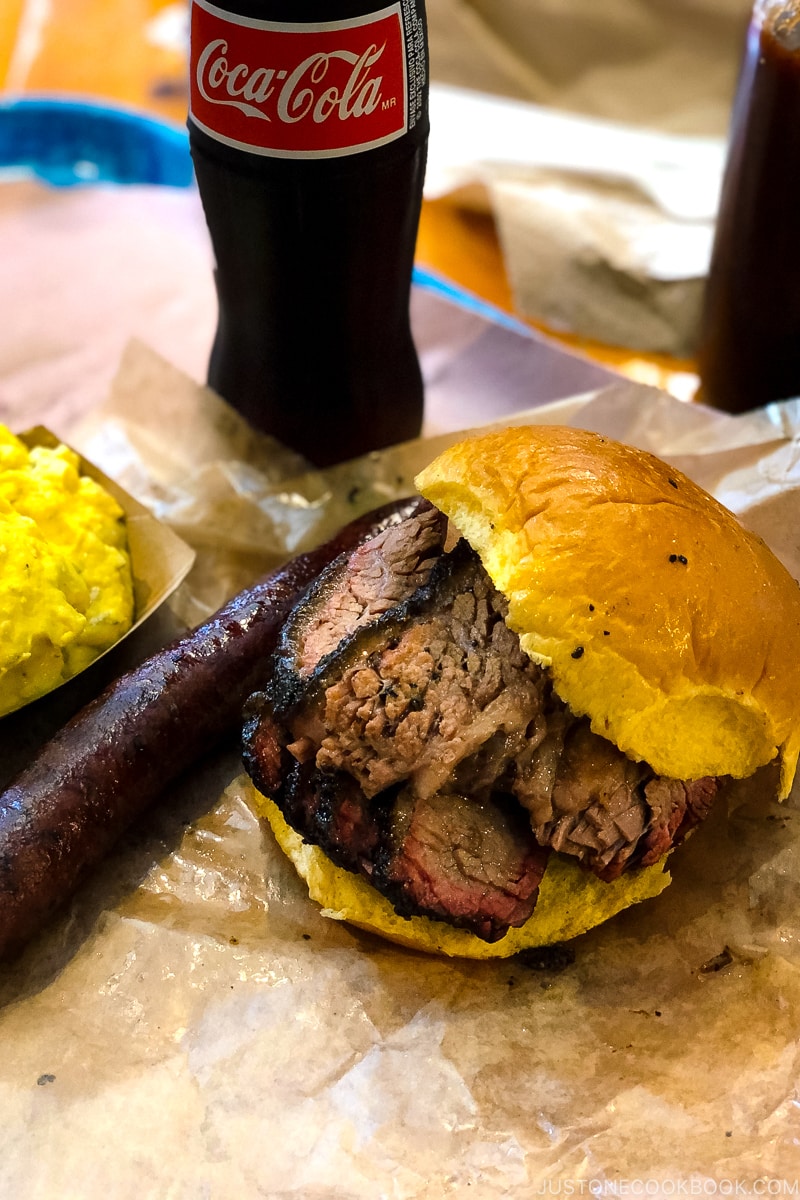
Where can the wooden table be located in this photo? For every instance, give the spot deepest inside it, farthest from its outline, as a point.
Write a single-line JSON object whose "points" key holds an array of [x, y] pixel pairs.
{"points": [[130, 52]]}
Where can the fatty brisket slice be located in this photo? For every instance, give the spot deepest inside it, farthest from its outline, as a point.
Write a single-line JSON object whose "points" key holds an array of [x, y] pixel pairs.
{"points": [[408, 735]]}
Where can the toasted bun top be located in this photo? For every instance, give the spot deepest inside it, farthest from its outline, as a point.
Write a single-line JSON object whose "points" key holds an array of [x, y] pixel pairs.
{"points": [[674, 629]]}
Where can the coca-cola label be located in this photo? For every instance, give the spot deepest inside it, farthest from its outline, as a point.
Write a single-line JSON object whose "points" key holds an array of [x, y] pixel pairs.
{"points": [[292, 90]]}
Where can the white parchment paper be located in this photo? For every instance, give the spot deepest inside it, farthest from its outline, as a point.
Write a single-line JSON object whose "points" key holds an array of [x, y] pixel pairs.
{"points": [[596, 135], [193, 1027], [606, 229]]}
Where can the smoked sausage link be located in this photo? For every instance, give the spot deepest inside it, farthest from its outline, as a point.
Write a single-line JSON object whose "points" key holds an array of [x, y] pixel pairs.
{"points": [[62, 814]]}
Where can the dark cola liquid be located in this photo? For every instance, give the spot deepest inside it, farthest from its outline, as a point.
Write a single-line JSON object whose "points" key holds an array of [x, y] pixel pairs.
{"points": [[313, 274], [750, 340]]}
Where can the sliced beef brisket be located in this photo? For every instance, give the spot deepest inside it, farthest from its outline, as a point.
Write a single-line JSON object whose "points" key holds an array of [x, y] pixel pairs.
{"points": [[424, 688], [467, 861], [355, 589], [407, 734]]}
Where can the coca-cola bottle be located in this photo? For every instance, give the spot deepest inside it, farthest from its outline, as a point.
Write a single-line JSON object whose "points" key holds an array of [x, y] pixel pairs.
{"points": [[308, 125]]}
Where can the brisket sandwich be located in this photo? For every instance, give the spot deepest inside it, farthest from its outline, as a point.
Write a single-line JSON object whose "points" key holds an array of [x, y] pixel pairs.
{"points": [[487, 728]]}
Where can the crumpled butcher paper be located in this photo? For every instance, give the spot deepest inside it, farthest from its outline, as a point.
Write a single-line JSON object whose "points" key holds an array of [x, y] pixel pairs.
{"points": [[193, 1027]]}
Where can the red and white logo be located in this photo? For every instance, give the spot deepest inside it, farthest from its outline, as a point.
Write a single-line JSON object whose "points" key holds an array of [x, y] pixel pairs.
{"points": [[298, 91]]}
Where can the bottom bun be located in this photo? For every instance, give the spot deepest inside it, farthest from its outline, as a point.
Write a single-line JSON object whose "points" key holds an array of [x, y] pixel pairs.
{"points": [[571, 900]]}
